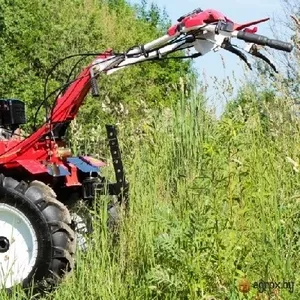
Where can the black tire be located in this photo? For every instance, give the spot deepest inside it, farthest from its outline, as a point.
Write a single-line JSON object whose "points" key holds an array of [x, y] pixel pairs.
{"points": [[84, 221], [51, 223]]}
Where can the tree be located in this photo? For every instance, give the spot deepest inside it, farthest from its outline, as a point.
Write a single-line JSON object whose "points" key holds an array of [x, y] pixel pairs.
{"points": [[34, 34]]}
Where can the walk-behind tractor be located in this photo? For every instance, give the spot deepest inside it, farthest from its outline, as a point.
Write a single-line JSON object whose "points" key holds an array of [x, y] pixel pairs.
{"points": [[39, 175]]}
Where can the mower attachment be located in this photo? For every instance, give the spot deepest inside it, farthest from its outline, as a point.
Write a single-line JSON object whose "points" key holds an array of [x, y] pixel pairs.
{"points": [[101, 185], [121, 187]]}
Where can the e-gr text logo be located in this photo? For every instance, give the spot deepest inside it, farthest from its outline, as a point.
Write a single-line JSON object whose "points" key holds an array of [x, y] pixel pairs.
{"points": [[263, 286]]}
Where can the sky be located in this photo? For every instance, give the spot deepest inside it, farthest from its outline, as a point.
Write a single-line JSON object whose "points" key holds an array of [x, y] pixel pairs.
{"points": [[239, 11]]}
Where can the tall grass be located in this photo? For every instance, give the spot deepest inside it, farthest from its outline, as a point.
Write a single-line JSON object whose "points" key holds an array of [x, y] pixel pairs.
{"points": [[212, 203]]}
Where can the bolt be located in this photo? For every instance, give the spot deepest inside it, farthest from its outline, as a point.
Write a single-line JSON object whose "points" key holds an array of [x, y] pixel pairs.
{"points": [[4, 244]]}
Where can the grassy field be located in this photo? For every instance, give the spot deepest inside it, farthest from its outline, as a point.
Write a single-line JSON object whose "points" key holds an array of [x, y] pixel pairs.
{"points": [[214, 207]]}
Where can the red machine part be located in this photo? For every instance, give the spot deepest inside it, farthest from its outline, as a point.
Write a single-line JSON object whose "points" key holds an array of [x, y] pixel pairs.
{"points": [[40, 150], [38, 147], [211, 16]]}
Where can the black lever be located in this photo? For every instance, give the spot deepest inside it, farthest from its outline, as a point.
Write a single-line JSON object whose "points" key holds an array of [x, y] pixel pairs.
{"points": [[228, 46], [195, 11], [254, 51], [94, 85]]}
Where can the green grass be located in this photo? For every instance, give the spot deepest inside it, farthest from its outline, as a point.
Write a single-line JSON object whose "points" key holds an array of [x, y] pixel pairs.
{"points": [[212, 202]]}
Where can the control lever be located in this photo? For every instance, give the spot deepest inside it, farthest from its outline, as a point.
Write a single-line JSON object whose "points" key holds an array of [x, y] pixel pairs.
{"points": [[94, 85], [229, 47], [254, 51]]}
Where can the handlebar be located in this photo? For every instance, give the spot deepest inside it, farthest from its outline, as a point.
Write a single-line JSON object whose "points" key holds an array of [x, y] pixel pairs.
{"points": [[169, 43], [253, 38], [264, 41]]}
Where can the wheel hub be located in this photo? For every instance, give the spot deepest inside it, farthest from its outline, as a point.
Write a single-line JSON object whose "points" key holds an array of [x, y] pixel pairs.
{"points": [[18, 246], [4, 244]]}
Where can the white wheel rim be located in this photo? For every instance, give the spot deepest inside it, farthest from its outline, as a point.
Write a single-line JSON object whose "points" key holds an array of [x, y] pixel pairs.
{"points": [[80, 231], [18, 256]]}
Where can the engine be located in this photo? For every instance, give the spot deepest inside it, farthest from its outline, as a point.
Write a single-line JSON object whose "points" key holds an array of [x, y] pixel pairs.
{"points": [[12, 115]]}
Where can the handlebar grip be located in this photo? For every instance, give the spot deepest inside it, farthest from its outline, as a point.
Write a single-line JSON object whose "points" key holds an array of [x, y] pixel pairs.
{"points": [[94, 87], [264, 41], [279, 45]]}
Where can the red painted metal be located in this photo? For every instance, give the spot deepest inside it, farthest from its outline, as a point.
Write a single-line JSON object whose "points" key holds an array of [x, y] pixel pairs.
{"points": [[35, 147], [33, 166], [206, 17], [211, 16], [72, 179], [39, 149], [172, 30], [197, 19], [245, 25]]}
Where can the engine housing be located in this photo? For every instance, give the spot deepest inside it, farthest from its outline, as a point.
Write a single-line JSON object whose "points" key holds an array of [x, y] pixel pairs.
{"points": [[12, 112]]}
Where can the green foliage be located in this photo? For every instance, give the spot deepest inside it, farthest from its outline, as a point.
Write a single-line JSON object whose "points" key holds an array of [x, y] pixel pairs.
{"points": [[35, 34], [286, 27], [212, 202]]}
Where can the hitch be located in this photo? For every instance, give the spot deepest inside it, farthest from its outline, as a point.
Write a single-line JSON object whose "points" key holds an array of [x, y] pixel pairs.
{"points": [[120, 188]]}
